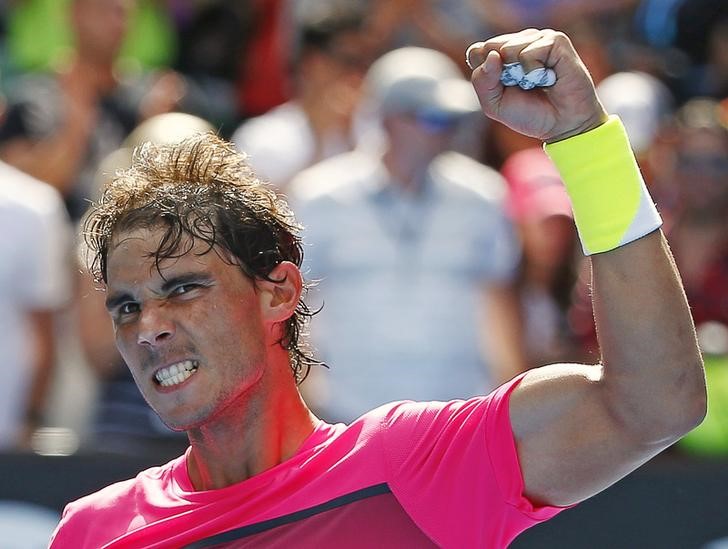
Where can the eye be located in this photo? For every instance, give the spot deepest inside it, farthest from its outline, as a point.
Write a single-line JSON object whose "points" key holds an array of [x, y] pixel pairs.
{"points": [[128, 308], [184, 289]]}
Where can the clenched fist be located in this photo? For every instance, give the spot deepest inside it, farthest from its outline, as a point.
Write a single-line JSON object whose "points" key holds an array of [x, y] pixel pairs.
{"points": [[567, 108]]}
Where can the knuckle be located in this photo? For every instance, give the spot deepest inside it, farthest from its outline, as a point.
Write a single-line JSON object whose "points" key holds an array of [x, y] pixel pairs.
{"points": [[561, 38]]}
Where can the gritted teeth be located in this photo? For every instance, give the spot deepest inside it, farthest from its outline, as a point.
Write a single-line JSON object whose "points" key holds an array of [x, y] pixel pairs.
{"points": [[176, 373]]}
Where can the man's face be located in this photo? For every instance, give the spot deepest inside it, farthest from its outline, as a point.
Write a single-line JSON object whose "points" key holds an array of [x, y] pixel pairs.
{"points": [[101, 26], [419, 138], [702, 170], [191, 332]]}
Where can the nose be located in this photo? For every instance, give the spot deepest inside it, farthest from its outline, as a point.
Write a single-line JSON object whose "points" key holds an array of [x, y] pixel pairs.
{"points": [[155, 326]]}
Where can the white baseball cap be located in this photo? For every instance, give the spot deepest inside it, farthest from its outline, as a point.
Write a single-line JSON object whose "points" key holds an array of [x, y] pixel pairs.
{"points": [[421, 81], [640, 100]]}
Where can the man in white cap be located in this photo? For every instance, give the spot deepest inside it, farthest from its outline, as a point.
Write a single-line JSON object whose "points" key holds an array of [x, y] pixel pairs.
{"points": [[421, 234]]}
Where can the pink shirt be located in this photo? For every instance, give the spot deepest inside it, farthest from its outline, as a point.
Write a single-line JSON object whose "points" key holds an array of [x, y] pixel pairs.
{"points": [[404, 475]]}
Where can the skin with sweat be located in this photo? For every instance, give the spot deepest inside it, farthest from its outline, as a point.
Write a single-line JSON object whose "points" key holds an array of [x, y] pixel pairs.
{"points": [[578, 428], [203, 310]]}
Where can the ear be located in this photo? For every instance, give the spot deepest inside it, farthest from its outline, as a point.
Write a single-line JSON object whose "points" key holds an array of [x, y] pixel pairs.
{"points": [[279, 299]]}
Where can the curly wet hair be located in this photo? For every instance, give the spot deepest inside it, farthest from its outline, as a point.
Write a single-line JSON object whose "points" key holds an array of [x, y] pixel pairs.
{"points": [[203, 188]]}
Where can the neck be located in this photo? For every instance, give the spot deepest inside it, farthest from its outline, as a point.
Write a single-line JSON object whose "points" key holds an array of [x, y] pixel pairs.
{"points": [[249, 437], [408, 172], [100, 74], [324, 117]]}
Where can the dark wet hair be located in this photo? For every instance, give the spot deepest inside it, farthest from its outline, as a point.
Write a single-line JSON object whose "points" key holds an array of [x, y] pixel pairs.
{"points": [[203, 188]]}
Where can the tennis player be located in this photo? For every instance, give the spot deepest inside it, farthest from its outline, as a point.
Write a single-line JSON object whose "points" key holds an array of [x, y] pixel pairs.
{"points": [[200, 263]]}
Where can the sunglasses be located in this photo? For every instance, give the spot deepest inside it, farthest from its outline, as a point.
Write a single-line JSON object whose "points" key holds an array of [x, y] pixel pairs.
{"points": [[436, 122]]}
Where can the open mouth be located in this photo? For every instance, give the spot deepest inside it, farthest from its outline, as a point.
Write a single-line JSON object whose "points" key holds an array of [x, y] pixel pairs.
{"points": [[176, 373]]}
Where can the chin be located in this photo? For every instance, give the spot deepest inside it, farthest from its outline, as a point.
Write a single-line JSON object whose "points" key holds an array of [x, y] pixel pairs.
{"points": [[183, 425], [179, 420]]}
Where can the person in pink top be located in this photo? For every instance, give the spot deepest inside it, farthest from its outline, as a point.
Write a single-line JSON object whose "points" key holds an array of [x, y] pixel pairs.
{"points": [[200, 264]]}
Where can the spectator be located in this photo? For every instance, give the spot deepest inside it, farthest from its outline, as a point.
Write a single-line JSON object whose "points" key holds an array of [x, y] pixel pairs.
{"points": [[263, 79], [444, 25], [645, 105], [504, 16], [540, 208], [690, 36], [700, 243], [39, 35], [700, 31], [214, 37], [35, 242], [319, 122], [421, 236], [698, 227], [711, 436], [59, 126]]}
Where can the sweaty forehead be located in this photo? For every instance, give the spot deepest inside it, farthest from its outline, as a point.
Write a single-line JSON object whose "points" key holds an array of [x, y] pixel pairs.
{"points": [[132, 254]]}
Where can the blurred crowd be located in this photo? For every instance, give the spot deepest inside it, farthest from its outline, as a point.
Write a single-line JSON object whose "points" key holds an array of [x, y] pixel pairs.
{"points": [[442, 247]]}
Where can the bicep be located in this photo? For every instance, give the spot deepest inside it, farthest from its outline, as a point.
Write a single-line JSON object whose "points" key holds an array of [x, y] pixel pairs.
{"points": [[570, 445]]}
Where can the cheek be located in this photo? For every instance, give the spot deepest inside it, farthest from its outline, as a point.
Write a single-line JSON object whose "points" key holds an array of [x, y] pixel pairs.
{"points": [[231, 325], [124, 341]]}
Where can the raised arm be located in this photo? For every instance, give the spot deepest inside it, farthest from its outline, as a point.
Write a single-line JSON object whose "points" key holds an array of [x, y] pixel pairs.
{"points": [[579, 428]]}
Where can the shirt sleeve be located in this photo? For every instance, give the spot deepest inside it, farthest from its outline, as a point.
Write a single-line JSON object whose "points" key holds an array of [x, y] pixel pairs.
{"points": [[453, 466]]}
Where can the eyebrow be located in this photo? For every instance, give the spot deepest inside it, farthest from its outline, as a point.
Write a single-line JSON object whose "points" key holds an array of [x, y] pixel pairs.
{"points": [[116, 299], [185, 278]]}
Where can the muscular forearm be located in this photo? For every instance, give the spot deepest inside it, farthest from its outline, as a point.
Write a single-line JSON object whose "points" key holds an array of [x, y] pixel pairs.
{"points": [[580, 428], [652, 382], [652, 379]]}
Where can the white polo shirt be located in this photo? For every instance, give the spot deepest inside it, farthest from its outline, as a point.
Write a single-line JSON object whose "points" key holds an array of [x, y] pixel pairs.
{"points": [[35, 274], [401, 277]]}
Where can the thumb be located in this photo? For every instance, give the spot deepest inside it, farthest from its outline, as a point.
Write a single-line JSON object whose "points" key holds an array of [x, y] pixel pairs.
{"points": [[486, 80]]}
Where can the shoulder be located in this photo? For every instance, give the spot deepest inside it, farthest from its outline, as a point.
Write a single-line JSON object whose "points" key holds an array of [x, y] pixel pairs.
{"points": [[271, 126], [410, 426], [104, 500], [341, 178], [25, 193], [422, 419], [467, 178], [76, 527], [109, 497], [398, 415], [115, 506], [33, 86]]}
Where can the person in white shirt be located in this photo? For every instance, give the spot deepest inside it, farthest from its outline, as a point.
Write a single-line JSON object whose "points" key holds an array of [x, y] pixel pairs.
{"points": [[35, 282], [414, 252], [320, 121]]}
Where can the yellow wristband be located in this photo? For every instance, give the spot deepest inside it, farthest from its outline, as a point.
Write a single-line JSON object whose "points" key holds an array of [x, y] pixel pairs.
{"points": [[611, 204]]}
